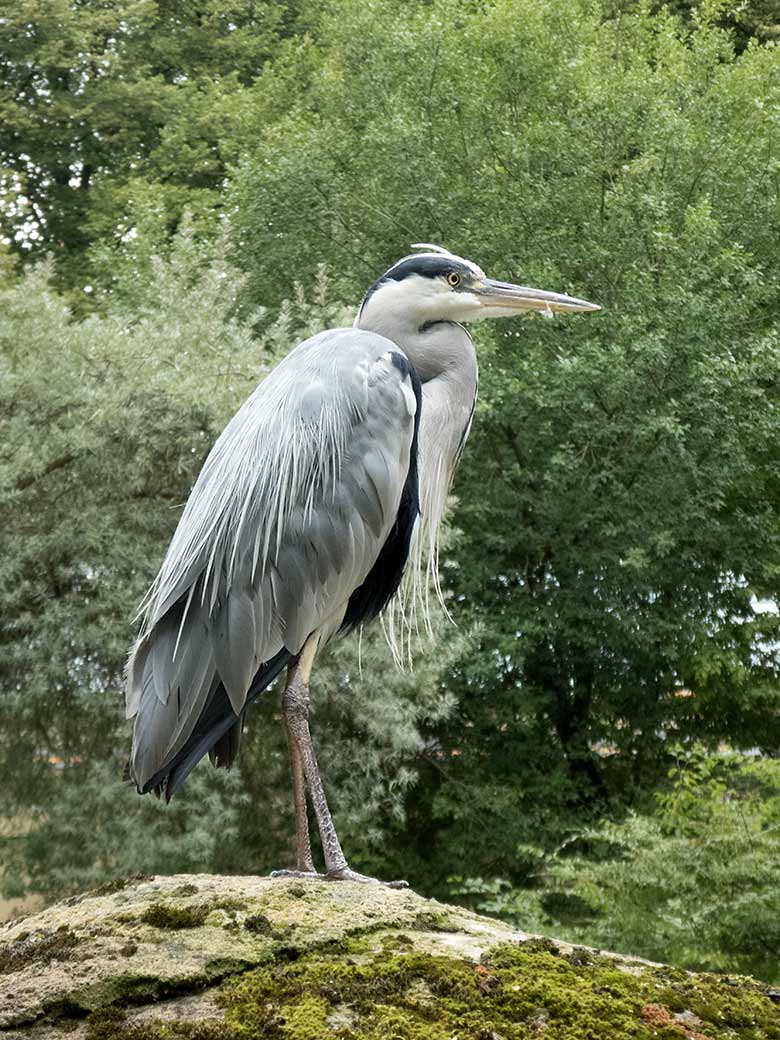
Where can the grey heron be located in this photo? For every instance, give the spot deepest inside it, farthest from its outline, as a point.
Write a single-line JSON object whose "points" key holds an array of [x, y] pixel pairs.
{"points": [[328, 481]]}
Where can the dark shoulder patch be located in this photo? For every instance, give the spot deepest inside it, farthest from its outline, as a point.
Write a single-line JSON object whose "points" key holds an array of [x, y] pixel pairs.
{"points": [[406, 368], [382, 581]]}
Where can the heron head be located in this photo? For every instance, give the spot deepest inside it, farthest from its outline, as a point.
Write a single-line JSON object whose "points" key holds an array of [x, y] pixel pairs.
{"points": [[436, 285]]}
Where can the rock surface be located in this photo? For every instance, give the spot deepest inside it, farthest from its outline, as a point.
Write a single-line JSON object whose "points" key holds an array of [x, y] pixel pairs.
{"points": [[207, 957]]}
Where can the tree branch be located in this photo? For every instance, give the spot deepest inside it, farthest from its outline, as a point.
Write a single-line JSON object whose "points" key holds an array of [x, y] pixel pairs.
{"points": [[22, 483]]}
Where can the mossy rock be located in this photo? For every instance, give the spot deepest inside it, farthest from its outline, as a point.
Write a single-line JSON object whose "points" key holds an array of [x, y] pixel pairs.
{"points": [[230, 958]]}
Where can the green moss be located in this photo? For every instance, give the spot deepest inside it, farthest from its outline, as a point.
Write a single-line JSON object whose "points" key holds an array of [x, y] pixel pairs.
{"points": [[738, 1004], [129, 990], [519, 992], [397, 941], [258, 924], [307, 1019], [230, 905], [115, 885], [541, 944], [126, 990], [37, 948], [376, 982], [434, 921], [219, 967], [187, 889], [175, 917], [114, 1024], [165, 915], [106, 1023], [222, 913]]}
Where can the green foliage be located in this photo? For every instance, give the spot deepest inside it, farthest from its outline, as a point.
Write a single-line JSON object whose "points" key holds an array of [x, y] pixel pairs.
{"points": [[747, 20], [695, 882], [617, 506], [112, 110], [105, 424], [88, 826], [619, 494]]}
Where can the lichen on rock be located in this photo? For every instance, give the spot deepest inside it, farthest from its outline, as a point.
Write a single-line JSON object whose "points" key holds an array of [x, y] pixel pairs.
{"points": [[215, 958]]}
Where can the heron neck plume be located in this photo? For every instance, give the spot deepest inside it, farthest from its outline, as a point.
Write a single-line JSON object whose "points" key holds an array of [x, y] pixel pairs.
{"points": [[443, 354]]}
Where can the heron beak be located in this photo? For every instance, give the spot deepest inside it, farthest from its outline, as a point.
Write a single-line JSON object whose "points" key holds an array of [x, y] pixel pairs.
{"points": [[502, 299]]}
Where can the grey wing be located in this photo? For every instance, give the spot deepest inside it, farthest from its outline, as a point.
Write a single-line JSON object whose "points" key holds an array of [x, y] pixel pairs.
{"points": [[287, 518]]}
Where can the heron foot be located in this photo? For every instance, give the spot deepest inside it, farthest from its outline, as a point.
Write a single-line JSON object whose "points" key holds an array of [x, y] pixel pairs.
{"points": [[305, 874], [347, 874]]}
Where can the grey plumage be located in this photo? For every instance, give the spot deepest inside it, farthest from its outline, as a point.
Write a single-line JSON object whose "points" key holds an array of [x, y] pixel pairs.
{"points": [[330, 478], [315, 462]]}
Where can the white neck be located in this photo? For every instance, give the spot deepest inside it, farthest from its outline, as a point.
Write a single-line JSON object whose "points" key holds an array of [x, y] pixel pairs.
{"points": [[444, 357]]}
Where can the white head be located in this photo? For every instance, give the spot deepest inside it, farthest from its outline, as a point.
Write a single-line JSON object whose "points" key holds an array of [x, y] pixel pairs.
{"points": [[437, 285]]}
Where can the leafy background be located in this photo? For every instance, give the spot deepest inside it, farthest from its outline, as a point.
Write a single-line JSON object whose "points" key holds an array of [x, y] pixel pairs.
{"points": [[186, 191]]}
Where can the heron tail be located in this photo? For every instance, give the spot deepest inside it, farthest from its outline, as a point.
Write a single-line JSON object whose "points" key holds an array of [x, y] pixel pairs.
{"points": [[218, 730], [160, 720]]}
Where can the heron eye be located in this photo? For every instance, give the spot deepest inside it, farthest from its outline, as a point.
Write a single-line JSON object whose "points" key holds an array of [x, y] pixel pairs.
{"points": [[453, 279]]}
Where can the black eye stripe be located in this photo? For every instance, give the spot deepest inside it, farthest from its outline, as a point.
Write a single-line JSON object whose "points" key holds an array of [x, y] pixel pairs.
{"points": [[427, 266]]}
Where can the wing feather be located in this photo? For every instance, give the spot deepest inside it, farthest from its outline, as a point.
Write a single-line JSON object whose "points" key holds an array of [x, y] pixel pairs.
{"points": [[162, 727], [234, 640], [287, 518]]}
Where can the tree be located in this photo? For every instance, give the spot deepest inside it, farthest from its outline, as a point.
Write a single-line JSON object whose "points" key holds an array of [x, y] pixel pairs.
{"points": [[618, 498], [105, 424], [114, 110], [694, 880], [753, 20]]}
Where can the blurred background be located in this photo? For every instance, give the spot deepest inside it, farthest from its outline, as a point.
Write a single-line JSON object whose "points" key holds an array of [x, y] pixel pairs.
{"points": [[186, 191]]}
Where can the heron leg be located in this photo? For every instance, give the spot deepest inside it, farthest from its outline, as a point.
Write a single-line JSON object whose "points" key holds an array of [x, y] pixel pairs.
{"points": [[304, 860], [295, 709], [303, 857]]}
